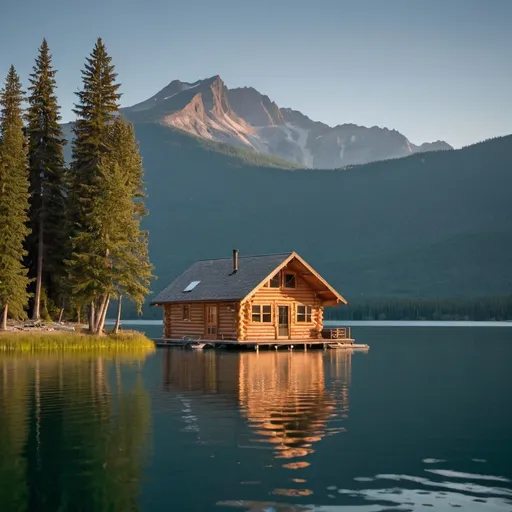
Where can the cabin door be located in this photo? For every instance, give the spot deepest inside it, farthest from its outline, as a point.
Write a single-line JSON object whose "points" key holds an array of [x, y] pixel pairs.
{"points": [[283, 321], [211, 322]]}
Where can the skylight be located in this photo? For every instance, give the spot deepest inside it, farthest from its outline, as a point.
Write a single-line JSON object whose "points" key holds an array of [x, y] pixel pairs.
{"points": [[191, 286]]}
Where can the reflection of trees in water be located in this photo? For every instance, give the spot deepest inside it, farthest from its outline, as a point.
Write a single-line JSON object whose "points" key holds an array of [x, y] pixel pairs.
{"points": [[13, 433], [285, 398], [73, 435]]}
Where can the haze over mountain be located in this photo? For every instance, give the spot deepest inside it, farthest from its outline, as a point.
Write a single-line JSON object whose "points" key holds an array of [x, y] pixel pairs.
{"points": [[244, 117]]}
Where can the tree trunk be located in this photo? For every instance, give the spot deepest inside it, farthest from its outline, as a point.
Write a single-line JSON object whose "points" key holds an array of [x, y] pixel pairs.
{"points": [[92, 318], [103, 315], [78, 314], [99, 313], [118, 318], [61, 312], [36, 314], [3, 324], [97, 316]]}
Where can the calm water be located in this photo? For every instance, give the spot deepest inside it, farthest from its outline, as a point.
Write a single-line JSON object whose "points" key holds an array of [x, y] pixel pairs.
{"points": [[424, 419]]}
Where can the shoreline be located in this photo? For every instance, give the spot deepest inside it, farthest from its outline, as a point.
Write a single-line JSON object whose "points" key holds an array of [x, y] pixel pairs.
{"points": [[41, 339]]}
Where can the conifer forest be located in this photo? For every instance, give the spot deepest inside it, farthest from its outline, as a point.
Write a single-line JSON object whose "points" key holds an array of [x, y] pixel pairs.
{"points": [[71, 240]]}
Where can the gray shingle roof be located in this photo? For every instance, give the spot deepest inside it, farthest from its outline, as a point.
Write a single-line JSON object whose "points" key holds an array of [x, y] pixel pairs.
{"points": [[217, 281]]}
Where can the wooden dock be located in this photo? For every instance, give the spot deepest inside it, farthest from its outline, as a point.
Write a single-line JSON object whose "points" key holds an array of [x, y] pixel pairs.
{"points": [[337, 338], [257, 345]]}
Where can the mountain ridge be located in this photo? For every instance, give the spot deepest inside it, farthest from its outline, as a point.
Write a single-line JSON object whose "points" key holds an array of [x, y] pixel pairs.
{"points": [[246, 118]]}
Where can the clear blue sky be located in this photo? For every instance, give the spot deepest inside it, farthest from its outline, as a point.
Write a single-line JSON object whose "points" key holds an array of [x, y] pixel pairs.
{"points": [[432, 69]]}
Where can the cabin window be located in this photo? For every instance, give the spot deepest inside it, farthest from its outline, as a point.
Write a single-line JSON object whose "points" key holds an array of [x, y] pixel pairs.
{"points": [[274, 281], [262, 314], [304, 313], [186, 312], [289, 281]]}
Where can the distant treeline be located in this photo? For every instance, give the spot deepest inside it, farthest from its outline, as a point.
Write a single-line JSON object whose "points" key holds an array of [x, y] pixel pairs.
{"points": [[479, 309]]}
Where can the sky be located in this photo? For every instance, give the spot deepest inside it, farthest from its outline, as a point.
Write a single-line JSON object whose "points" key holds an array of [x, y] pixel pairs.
{"points": [[431, 69]]}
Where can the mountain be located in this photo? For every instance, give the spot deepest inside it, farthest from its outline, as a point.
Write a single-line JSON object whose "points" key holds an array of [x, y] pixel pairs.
{"points": [[244, 117], [432, 225], [201, 109]]}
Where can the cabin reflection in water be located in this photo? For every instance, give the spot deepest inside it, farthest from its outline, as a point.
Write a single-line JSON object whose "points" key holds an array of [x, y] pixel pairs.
{"points": [[290, 400], [287, 402]]}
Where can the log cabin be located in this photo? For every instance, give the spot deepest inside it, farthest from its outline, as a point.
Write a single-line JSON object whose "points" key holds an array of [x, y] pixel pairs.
{"points": [[275, 297]]}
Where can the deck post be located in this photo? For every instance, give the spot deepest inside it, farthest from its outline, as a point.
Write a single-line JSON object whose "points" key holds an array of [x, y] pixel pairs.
{"points": [[305, 347], [257, 347]]}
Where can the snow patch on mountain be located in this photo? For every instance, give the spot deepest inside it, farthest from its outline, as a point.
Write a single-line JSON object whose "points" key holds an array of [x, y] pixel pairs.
{"points": [[302, 140]]}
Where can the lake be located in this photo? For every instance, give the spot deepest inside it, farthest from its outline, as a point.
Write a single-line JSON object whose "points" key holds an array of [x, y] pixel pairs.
{"points": [[424, 419]]}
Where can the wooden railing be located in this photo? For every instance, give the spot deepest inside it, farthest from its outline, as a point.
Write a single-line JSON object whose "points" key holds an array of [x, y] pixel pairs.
{"points": [[336, 333]]}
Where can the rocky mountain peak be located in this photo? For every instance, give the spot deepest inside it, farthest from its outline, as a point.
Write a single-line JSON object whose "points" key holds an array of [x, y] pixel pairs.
{"points": [[256, 108], [245, 117]]}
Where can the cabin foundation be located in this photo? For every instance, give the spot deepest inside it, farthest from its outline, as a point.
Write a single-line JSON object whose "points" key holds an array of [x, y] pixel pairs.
{"points": [[322, 344]]}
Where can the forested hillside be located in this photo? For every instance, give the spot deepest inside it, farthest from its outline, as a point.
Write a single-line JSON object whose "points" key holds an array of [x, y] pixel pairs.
{"points": [[430, 225]]}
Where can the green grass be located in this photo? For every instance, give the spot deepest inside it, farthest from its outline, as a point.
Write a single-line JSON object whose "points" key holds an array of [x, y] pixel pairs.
{"points": [[57, 341]]}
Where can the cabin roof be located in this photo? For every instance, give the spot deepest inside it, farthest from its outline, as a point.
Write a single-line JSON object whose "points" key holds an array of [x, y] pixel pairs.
{"points": [[214, 280], [217, 280]]}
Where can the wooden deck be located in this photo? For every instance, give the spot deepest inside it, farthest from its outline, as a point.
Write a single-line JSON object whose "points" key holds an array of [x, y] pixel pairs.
{"points": [[256, 345], [337, 338]]}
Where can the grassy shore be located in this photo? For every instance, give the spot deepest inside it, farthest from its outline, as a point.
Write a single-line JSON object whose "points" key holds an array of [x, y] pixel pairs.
{"points": [[74, 341]]}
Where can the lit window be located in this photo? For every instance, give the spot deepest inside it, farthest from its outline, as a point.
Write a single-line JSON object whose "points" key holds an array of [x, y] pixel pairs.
{"points": [[256, 313], [304, 313], [262, 314], [186, 312], [289, 280]]}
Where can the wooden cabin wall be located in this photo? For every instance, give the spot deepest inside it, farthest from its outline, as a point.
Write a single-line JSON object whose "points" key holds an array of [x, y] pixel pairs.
{"points": [[167, 320], [228, 320], [303, 294], [175, 327]]}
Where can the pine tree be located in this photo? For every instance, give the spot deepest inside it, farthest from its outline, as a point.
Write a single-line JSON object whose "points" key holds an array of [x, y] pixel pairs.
{"points": [[97, 107], [47, 244], [130, 257], [13, 200], [110, 251], [120, 250]]}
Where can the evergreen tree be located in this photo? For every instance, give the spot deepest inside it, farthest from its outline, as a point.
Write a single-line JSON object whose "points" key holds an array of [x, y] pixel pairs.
{"points": [[118, 248], [97, 107], [47, 243], [130, 257], [13, 200]]}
